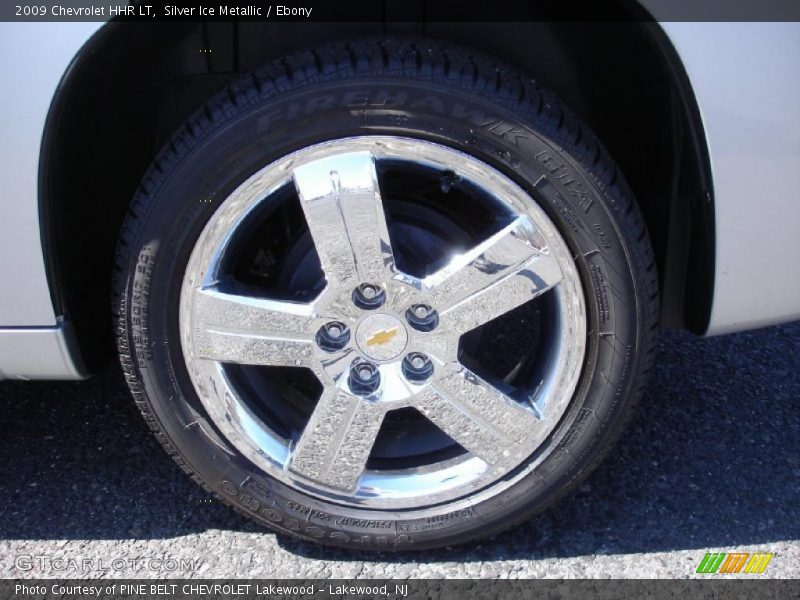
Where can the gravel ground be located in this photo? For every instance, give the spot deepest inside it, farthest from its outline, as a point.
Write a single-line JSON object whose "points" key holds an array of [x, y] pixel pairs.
{"points": [[710, 462]]}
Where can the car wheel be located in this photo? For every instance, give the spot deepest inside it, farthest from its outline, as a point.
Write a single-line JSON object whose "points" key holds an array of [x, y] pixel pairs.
{"points": [[386, 294]]}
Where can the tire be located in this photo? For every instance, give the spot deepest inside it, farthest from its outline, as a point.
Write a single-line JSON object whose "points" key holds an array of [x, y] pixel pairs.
{"points": [[439, 94]]}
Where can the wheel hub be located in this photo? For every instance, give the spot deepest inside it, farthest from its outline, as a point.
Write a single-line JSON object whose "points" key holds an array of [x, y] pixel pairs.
{"points": [[381, 337]]}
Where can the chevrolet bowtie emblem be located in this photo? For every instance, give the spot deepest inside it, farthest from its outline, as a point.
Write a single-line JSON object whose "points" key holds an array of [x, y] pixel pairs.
{"points": [[382, 337]]}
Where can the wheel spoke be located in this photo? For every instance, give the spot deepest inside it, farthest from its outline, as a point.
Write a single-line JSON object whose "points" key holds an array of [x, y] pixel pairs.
{"points": [[342, 204], [481, 418], [337, 440], [252, 331], [507, 270]]}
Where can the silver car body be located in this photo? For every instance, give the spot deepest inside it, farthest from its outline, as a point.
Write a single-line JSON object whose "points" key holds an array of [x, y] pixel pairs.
{"points": [[743, 75]]}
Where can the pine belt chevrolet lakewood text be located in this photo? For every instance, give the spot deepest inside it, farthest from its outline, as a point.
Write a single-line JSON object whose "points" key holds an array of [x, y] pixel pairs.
{"points": [[387, 286]]}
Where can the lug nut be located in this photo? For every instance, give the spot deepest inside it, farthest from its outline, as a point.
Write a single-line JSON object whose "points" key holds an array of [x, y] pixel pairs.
{"points": [[422, 317], [364, 378], [369, 296], [417, 367], [333, 336]]}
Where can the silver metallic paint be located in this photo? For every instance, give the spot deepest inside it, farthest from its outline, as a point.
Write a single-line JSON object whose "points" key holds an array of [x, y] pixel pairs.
{"points": [[746, 77], [33, 58]]}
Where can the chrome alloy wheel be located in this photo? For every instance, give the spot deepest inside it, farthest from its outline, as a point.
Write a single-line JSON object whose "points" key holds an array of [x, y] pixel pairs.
{"points": [[379, 339]]}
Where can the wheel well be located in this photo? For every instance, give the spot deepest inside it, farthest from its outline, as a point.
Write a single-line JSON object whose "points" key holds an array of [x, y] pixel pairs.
{"points": [[133, 84]]}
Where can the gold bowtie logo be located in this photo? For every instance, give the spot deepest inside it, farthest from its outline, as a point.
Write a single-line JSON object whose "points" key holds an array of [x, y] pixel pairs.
{"points": [[382, 337]]}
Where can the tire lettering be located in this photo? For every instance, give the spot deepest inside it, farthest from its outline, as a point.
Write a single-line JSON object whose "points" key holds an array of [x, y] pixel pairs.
{"points": [[314, 531]]}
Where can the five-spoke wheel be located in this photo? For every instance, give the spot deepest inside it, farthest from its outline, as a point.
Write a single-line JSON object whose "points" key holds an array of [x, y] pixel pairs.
{"points": [[380, 339]]}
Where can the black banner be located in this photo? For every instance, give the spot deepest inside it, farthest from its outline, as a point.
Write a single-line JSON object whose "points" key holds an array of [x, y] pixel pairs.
{"points": [[547, 589], [399, 10]]}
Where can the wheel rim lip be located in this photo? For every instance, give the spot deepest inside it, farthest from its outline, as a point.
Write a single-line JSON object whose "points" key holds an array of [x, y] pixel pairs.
{"points": [[443, 481]]}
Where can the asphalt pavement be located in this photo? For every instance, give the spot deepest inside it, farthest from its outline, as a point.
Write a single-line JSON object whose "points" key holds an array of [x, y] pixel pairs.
{"points": [[711, 462]]}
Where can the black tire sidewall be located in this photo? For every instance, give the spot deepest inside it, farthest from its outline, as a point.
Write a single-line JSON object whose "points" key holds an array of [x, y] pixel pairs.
{"points": [[493, 129]]}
